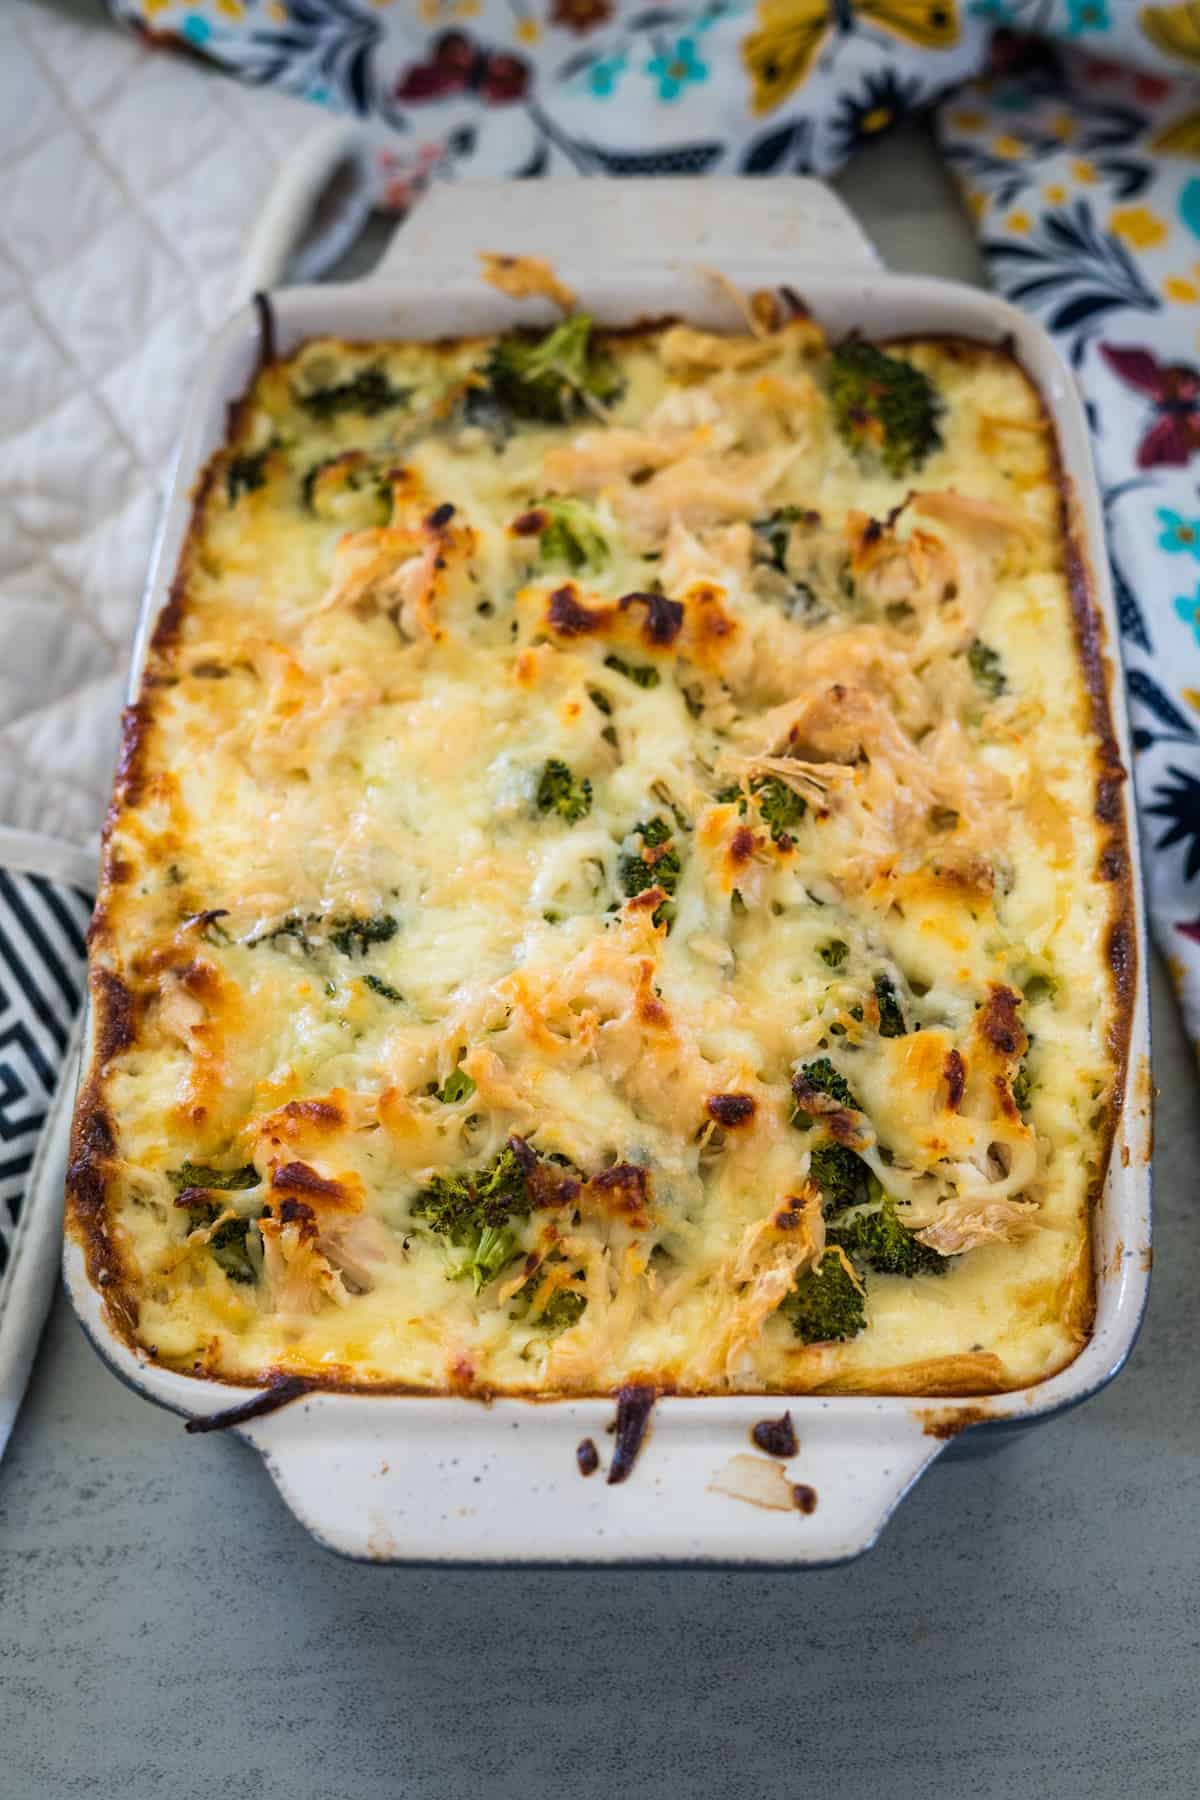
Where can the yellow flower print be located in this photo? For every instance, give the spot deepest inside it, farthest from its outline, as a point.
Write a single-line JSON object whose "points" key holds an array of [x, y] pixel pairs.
{"points": [[1175, 287], [528, 31], [1019, 222], [966, 121], [1192, 696], [976, 204], [1008, 147], [1139, 227], [277, 12], [1083, 170], [1063, 127], [1055, 193], [441, 12], [232, 9], [152, 7]]}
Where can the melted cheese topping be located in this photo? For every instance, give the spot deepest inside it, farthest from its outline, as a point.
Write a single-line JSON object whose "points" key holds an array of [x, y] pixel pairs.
{"points": [[359, 949]]}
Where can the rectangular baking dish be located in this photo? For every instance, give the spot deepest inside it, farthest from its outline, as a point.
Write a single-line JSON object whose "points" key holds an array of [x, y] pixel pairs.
{"points": [[418, 1479]]}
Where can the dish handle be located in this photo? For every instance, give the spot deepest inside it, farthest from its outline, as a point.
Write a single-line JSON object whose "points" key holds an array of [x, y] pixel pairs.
{"points": [[646, 222], [403, 1481]]}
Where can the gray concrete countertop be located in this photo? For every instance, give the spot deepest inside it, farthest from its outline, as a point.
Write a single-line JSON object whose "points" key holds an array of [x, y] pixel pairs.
{"points": [[1027, 1625]]}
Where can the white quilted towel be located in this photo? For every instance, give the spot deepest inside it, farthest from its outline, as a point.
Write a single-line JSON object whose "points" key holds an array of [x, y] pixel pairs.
{"points": [[143, 198]]}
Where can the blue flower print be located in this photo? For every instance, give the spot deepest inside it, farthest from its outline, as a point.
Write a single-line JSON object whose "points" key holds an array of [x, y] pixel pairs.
{"points": [[604, 75], [196, 30], [999, 12], [676, 68], [1087, 15], [1189, 611], [1189, 205], [1179, 534]]}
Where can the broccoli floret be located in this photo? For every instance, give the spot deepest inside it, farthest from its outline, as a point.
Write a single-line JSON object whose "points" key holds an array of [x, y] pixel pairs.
{"points": [[384, 989], [228, 1242], [782, 809], [564, 1308], [349, 489], [843, 1178], [457, 1086], [548, 379], [821, 1075], [245, 473], [643, 675], [558, 791], [834, 953], [876, 1237], [657, 864], [474, 1211], [368, 392], [987, 668], [570, 536], [891, 1013], [228, 1248], [826, 1304], [350, 933], [883, 406], [213, 1181]]}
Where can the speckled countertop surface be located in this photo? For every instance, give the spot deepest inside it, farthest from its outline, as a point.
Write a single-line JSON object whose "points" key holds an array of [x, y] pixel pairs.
{"points": [[1027, 1626]]}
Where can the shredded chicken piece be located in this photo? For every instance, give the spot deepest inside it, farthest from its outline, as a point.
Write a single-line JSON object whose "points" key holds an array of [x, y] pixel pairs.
{"points": [[841, 724], [948, 588], [684, 409], [963, 1224], [722, 557], [390, 570], [614, 1284], [597, 459], [685, 350], [296, 1276], [358, 1247], [771, 1253], [846, 744], [702, 491], [867, 656], [524, 278], [988, 524]]}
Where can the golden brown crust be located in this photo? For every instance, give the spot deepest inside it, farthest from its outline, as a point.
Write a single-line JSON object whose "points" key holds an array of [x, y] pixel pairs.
{"points": [[1111, 775]]}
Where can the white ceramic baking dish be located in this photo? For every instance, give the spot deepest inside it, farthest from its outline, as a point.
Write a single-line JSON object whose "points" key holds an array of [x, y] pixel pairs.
{"points": [[416, 1479]]}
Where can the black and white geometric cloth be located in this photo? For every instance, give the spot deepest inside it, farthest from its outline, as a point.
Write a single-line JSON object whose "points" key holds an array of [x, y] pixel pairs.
{"points": [[43, 924]]}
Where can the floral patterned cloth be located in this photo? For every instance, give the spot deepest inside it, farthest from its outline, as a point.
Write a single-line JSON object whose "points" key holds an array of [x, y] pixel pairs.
{"points": [[505, 88], [1082, 174], [1084, 179]]}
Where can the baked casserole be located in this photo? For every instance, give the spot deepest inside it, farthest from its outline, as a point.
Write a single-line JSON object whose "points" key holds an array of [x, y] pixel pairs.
{"points": [[615, 876]]}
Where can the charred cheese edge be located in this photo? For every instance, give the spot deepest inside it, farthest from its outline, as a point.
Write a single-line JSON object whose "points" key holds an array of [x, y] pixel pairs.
{"points": [[459, 830]]}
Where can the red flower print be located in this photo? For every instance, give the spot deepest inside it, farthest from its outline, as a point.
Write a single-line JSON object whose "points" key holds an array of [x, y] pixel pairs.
{"points": [[1099, 68], [1150, 89], [1189, 928], [456, 65], [1174, 437]]}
